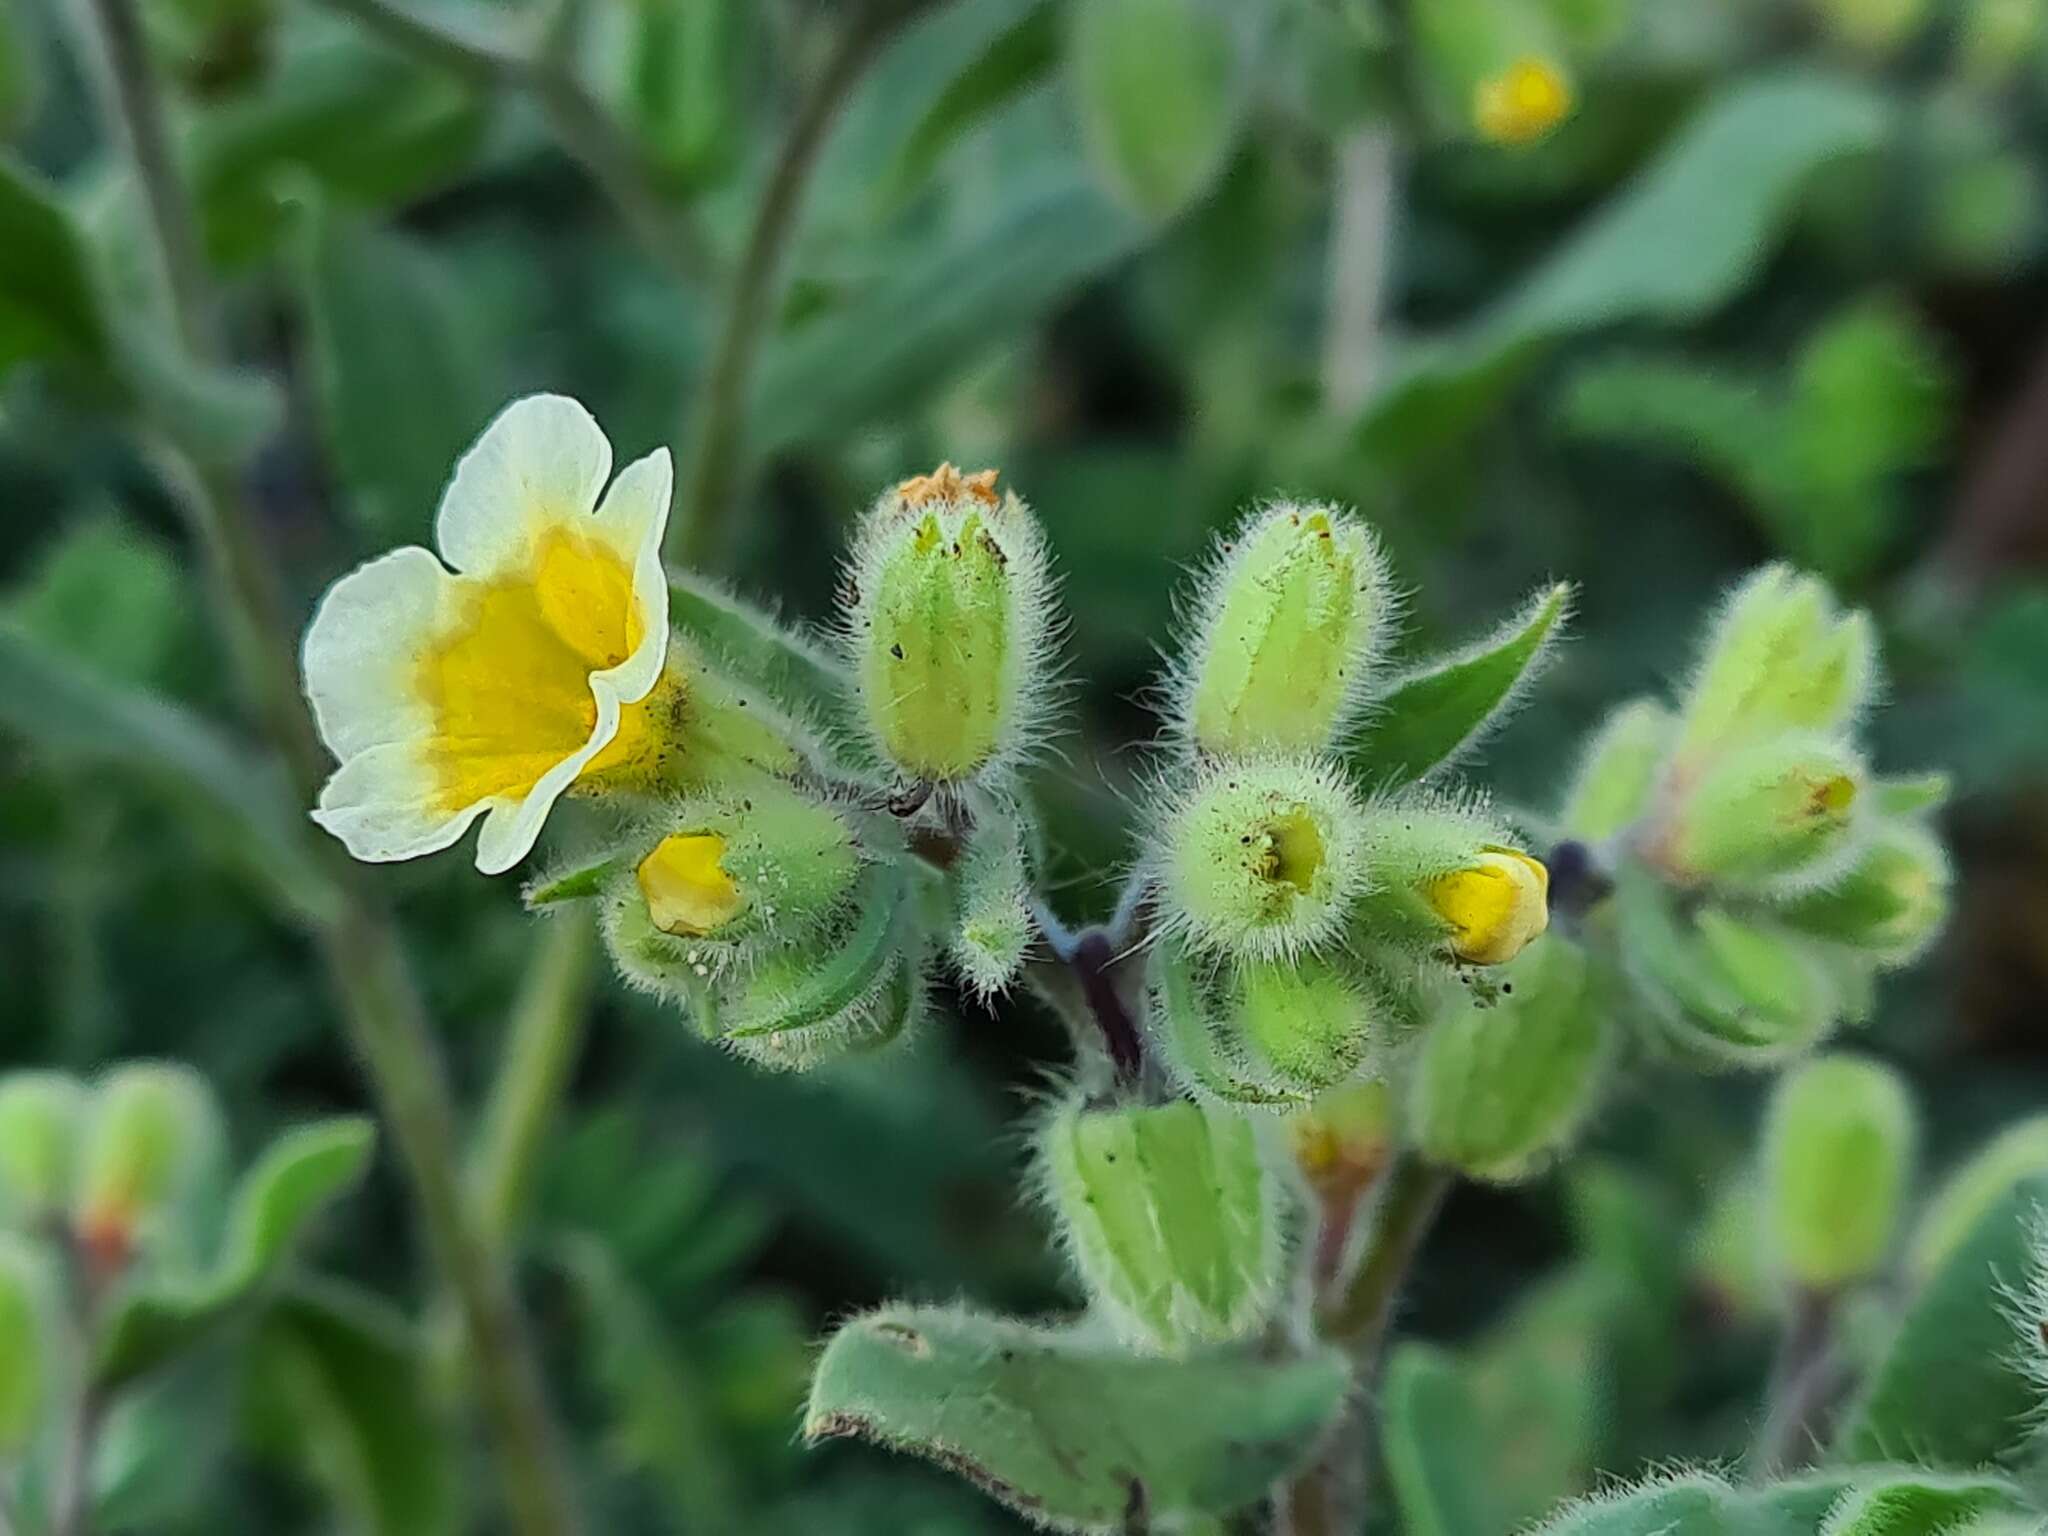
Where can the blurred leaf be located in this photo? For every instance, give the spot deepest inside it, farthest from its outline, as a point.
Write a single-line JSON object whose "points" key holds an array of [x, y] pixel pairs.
{"points": [[49, 306], [1440, 1459], [1951, 1390], [1157, 96], [338, 1390], [1683, 239], [1442, 709], [1018, 59], [1068, 1432], [662, 1422], [887, 347], [369, 128], [747, 643], [107, 596], [401, 381], [301, 1171], [60, 708], [688, 83]]}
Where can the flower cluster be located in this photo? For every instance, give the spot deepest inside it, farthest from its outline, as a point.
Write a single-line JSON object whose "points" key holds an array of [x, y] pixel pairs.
{"points": [[1305, 922], [1765, 873]]}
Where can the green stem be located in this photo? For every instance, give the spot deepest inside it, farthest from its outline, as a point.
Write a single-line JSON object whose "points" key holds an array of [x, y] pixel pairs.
{"points": [[1803, 1381], [365, 961], [533, 1074], [1329, 1498], [717, 429], [586, 132]]}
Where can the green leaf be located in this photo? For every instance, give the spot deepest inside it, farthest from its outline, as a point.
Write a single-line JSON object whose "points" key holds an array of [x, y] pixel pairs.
{"points": [[888, 346], [1950, 1391], [749, 645], [107, 595], [49, 304], [1023, 56], [1431, 716], [371, 129], [397, 369], [338, 1388], [1433, 1439], [1917, 1503], [302, 1171], [66, 711], [1159, 104], [1065, 1431], [1687, 236], [663, 1421]]}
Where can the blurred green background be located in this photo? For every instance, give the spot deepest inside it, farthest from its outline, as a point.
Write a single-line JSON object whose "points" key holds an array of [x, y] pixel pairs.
{"points": [[1776, 287]]}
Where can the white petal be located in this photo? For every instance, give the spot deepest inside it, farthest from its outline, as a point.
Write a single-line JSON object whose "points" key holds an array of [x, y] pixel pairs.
{"points": [[513, 826], [363, 645], [635, 518], [380, 803], [543, 460]]}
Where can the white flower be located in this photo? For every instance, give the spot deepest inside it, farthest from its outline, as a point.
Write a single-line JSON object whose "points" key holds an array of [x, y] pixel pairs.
{"points": [[489, 691]]}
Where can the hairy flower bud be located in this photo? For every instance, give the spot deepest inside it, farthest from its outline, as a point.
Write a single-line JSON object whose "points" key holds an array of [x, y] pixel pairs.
{"points": [[40, 1118], [1778, 658], [1781, 812], [1501, 1085], [753, 862], [152, 1133], [1838, 1152], [1493, 906], [1618, 771], [1291, 618], [1445, 880], [949, 626], [1891, 902], [1171, 1217], [1306, 1019], [1261, 859]]}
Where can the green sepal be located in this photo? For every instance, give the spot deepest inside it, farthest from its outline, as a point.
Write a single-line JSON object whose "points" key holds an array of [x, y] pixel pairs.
{"points": [[1446, 707], [802, 990], [1197, 1040], [580, 881], [1066, 1431]]}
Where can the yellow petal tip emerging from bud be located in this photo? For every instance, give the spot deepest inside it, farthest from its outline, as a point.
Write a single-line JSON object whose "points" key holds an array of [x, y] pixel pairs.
{"points": [[686, 886], [1522, 103], [1494, 907]]}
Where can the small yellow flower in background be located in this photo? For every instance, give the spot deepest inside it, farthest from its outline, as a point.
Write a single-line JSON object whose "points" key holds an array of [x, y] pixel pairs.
{"points": [[686, 885], [1522, 103], [1494, 907], [487, 691]]}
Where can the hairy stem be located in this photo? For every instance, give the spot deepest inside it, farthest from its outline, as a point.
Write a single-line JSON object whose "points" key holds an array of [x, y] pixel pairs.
{"points": [[1329, 1498], [1803, 1384], [586, 132], [717, 426], [365, 962]]}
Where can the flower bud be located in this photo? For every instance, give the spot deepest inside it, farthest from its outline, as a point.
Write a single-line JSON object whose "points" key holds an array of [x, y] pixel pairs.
{"points": [[1171, 1217], [1838, 1152], [1292, 617], [1499, 1087], [1892, 901], [1493, 906], [993, 925], [1262, 859], [1443, 880], [1619, 771], [40, 1118], [696, 730], [1307, 1020], [25, 1328], [763, 861], [152, 1134], [1967, 1195], [1523, 102], [1782, 812], [1342, 1140], [1777, 659], [948, 625]]}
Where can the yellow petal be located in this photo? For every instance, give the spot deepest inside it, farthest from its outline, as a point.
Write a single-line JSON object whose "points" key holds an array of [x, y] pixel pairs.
{"points": [[686, 887], [1494, 907]]}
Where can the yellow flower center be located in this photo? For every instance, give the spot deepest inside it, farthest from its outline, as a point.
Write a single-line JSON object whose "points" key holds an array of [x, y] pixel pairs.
{"points": [[686, 886], [1494, 907], [1522, 103], [1294, 850], [1834, 796], [509, 685]]}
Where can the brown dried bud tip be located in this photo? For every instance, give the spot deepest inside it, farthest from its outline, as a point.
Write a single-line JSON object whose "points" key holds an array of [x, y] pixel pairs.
{"points": [[947, 484]]}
